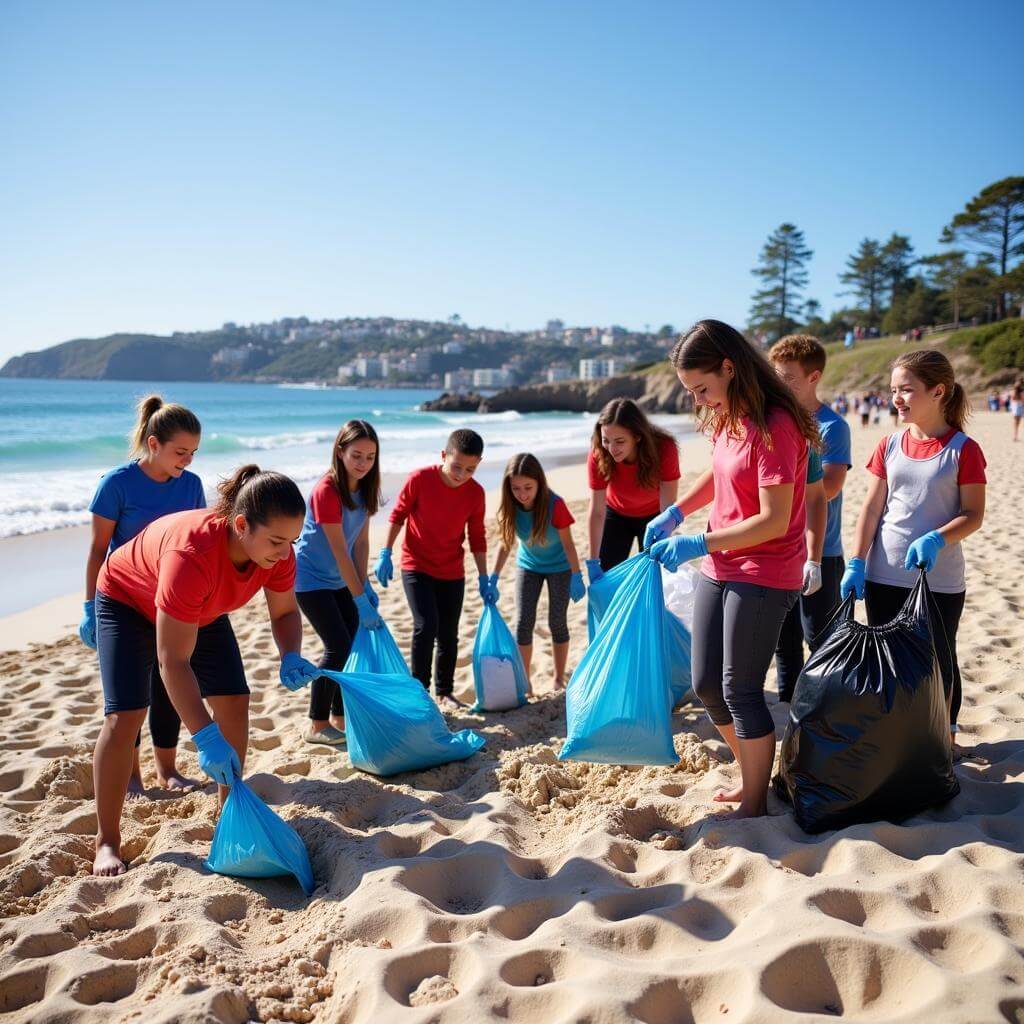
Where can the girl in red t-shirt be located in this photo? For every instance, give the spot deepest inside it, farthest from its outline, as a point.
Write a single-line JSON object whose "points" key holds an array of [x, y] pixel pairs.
{"points": [[755, 546], [633, 471], [163, 597]]}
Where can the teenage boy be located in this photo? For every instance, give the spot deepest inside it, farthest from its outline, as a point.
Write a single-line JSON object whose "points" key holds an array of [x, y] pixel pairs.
{"points": [[439, 505], [799, 360]]}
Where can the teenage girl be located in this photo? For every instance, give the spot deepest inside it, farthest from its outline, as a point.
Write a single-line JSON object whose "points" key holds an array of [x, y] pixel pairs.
{"points": [[154, 483], [546, 554], [330, 567], [754, 547], [926, 493], [633, 470], [1017, 407], [163, 598]]}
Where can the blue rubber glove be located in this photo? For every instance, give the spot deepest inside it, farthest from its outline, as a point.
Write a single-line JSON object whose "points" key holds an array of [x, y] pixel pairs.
{"points": [[384, 570], [216, 756], [594, 570], [923, 552], [369, 618], [673, 551], [87, 627], [488, 588], [296, 672], [577, 589], [853, 579], [663, 525], [371, 594], [494, 588]]}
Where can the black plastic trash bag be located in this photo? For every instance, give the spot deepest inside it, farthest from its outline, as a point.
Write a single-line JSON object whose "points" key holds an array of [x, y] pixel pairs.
{"points": [[868, 733]]}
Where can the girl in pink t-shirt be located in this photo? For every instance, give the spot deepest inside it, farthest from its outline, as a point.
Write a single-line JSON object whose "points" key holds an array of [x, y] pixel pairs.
{"points": [[755, 545]]}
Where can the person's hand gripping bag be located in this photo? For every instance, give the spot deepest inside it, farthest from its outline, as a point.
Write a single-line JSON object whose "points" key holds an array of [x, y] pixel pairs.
{"points": [[499, 677], [618, 705], [251, 841], [393, 726], [375, 651], [868, 732]]}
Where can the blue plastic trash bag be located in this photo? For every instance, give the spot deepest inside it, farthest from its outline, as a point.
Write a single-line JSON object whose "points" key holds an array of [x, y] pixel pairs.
{"points": [[393, 726], [375, 651], [251, 841], [499, 676], [600, 594], [618, 705]]}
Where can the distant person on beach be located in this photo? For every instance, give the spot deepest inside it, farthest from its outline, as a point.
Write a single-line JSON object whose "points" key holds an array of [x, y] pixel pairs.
{"points": [[154, 482], [439, 506], [1017, 407], [926, 494], [331, 557], [800, 361], [755, 550], [865, 408], [633, 472], [546, 554], [163, 598]]}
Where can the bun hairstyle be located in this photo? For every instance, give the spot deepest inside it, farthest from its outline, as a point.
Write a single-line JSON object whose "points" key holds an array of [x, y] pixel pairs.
{"points": [[369, 486], [162, 420], [259, 496], [625, 413], [932, 368], [524, 464]]}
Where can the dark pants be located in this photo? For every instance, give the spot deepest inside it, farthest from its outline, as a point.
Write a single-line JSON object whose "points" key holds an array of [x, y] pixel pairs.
{"points": [[805, 621], [618, 535], [735, 630], [883, 603], [164, 723], [436, 606], [333, 615], [528, 587]]}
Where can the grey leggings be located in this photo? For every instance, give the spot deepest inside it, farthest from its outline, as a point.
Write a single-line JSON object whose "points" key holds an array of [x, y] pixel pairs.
{"points": [[528, 587], [735, 629]]}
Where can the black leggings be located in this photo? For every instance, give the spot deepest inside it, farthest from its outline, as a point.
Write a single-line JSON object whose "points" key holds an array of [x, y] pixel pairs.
{"points": [[164, 723], [333, 614], [805, 621], [883, 603], [529, 584], [735, 630], [436, 606], [618, 535]]}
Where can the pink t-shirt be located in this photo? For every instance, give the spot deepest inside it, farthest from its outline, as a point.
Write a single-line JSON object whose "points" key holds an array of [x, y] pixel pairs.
{"points": [[742, 466]]}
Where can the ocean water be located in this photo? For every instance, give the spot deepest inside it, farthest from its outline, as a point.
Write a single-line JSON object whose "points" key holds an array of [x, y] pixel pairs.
{"points": [[57, 437]]}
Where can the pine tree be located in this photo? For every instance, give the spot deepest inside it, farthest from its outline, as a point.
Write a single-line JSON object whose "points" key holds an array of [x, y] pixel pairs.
{"points": [[782, 267], [898, 258], [866, 273]]}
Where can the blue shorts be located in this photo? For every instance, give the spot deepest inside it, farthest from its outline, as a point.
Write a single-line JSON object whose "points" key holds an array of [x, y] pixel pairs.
{"points": [[126, 644]]}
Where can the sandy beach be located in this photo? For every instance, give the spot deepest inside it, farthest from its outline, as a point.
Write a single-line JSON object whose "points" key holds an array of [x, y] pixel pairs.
{"points": [[511, 886]]}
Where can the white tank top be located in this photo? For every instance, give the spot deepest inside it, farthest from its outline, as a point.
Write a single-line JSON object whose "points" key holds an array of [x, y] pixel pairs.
{"points": [[923, 495]]}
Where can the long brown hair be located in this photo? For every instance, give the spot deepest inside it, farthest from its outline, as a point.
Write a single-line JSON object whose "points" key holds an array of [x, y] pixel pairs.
{"points": [[524, 464], [369, 486], [932, 368], [625, 413], [259, 496], [156, 418], [754, 390]]}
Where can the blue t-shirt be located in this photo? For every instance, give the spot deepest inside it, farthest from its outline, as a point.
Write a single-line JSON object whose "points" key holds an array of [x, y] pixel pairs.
{"points": [[835, 438], [814, 468], [549, 556], [316, 568], [133, 500]]}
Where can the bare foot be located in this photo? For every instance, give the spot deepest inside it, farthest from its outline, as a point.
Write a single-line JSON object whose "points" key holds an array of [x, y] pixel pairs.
{"points": [[107, 862], [135, 790], [744, 812], [176, 781], [560, 684], [728, 796]]}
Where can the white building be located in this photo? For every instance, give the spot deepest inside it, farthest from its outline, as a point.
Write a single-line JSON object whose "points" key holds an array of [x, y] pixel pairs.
{"points": [[346, 372], [491, 378], [452, 348], [371, 368], [597, 369], [558, 372], [458, 380]]}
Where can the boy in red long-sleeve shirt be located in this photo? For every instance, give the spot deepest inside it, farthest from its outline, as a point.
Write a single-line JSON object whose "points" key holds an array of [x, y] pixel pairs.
{"points": [[439, 505]]}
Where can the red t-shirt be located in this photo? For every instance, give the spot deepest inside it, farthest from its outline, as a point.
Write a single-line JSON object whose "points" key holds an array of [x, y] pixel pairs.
{"points": [[179, 564], [437, 518], [740, 468], [626, 496], [325, 501], [561, 517], [972, 459]]}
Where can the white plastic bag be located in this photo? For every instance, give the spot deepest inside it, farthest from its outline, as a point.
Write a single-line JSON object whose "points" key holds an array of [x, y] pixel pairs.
{"points": [[679, 588], [498, 678]]}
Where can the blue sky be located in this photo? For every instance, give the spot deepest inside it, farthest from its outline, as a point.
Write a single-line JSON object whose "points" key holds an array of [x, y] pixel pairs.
{"points": [[175, 165]]}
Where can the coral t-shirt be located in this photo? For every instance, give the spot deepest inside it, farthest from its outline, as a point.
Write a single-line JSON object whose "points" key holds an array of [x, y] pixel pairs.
{"points": [[179, 565], [971, 469], [741, 466], [624, 493]]}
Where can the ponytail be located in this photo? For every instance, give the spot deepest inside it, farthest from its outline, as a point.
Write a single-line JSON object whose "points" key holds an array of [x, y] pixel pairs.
{"points": [[259, 496], [155, 418], [932, 368], [956, 407]]}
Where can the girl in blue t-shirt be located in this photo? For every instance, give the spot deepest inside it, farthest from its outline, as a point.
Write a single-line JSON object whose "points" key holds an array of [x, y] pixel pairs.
{"points": [[154, 483], [331, 554], [540, 520]]}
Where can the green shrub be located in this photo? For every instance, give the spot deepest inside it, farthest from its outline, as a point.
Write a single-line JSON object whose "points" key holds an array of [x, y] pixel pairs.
{"points": [[997, 346]]}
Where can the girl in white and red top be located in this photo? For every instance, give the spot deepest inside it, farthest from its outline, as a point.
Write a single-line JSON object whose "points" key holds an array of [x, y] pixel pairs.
{"points": [[163, 597], [633, 472], [754, 548], [926, 494]]}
